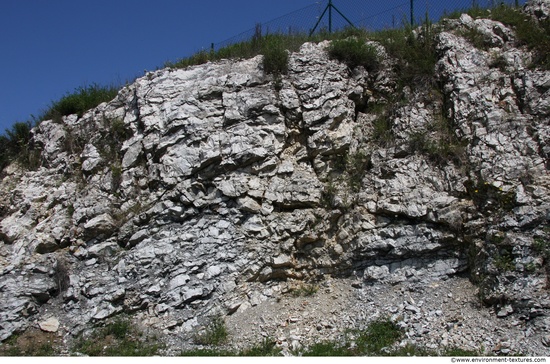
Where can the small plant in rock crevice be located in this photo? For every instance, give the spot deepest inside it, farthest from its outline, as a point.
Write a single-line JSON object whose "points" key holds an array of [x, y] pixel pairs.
{"points": [[15, 145], [304, 290], [214, 334], [489, 198], [355, 52]]}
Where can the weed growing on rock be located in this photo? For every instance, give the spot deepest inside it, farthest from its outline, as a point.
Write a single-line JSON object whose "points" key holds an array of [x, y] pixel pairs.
{"points": [[81, 100], [414, 51], [327, 348], [118, 338], [61, 275], [535, 35], [439, 143], [265, 348], [214, 334], [304, 290], [275, 54], [18, 345], [355, 52], [380, 334], [489, 198], [504, 260], [15, 146], [542, 246]]}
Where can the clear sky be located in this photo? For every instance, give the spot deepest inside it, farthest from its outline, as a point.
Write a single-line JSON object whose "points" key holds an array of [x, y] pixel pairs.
{"points": [[51, 47]]}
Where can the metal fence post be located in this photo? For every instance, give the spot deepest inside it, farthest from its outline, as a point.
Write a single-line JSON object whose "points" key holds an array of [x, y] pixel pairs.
{"points": [[330, 16], [412, 13]]}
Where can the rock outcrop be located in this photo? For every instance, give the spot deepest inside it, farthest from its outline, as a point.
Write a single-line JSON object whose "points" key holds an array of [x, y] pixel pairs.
{"points": [[206, 190]]}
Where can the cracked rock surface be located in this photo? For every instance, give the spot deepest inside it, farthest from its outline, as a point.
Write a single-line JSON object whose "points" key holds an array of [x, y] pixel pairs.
{"points": [[211, 190]]}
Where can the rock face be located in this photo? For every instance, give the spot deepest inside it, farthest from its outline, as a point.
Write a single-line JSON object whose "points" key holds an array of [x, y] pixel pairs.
{"points": [[192, 186]]}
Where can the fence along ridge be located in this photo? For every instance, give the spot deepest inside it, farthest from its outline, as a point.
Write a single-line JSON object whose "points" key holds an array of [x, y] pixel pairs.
{"points": [[384, 18]]}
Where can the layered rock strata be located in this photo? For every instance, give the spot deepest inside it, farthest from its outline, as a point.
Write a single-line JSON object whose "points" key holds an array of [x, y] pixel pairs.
{"points": [[194, 185]]}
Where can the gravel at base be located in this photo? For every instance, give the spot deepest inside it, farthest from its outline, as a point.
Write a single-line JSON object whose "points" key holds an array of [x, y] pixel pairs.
{"points": [[433, 315]]}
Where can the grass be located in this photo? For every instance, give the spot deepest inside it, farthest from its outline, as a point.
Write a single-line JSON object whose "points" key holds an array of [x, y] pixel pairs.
{"points": [[118, 338], [266, 347], [15, 146], [542, 246], [81, 100], [414, 53], [304, 290], [380, 334], [355, 52], [439, 143], [214, 334], [11, 348]]}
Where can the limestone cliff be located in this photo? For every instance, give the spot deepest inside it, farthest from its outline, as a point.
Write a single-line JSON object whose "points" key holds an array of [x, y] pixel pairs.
{"points": [[208, 190]]}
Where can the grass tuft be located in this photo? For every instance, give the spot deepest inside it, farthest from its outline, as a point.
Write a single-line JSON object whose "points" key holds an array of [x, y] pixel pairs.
{"points": [[81, 100], [355, 52], [214, 334], [118, 338]]}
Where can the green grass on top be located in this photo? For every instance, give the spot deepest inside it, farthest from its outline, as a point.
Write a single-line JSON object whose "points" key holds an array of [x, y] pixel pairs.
{"points": [[81, 100]]}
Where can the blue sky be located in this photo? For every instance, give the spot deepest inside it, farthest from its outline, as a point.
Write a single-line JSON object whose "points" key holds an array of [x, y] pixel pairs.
{"points": [[52, 47]]}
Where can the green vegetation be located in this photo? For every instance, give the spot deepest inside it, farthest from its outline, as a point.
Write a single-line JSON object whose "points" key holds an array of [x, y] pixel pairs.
{"points": [[265, 348], [214, 334], [118, 338], [380, 334], [355, 52], [81, 100], [15, 146], [504, 260], [275, 55], [413, 51], [439, 143], [542, 246], [490, 199], [382, 129], [304, 290], [14, 347], [375, 340], [534, 35]]}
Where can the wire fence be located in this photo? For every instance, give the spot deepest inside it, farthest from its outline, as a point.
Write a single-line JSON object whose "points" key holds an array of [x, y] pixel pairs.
{"points": [[372, 15]]}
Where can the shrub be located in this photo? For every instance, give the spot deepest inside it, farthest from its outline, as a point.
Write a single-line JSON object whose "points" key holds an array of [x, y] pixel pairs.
{"points": [[23, 345], [214, 334], [489, 198], [15, 146], [275, 54], [382, 130], [542, 246], [61, 275], [354, 52], [81, 100], [266, 348], [381, 333], [304, 290]]}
